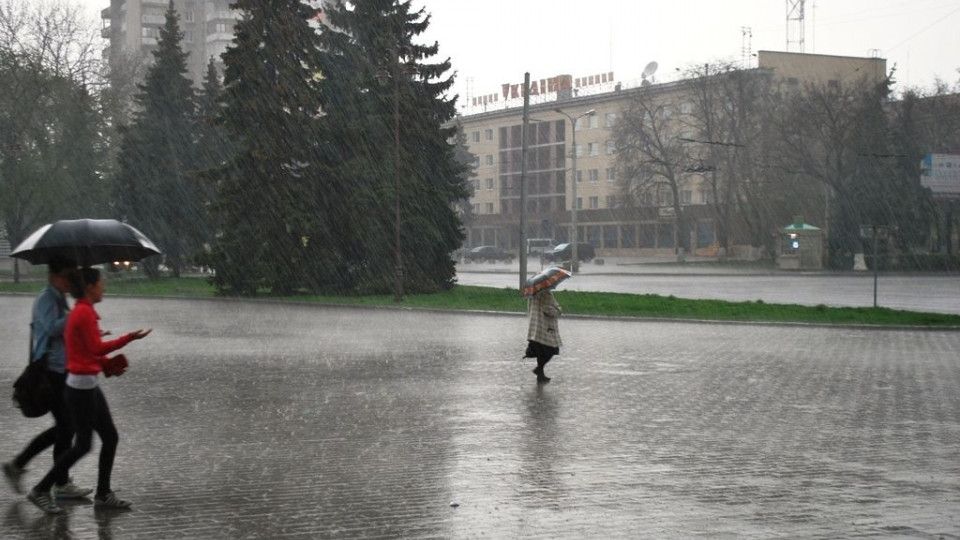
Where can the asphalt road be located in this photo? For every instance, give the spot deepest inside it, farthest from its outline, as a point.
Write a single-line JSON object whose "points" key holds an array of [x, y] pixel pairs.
{"points": [[936, 293]]}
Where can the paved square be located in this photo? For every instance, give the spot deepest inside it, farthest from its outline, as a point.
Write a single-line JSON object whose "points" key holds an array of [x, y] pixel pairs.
{"points": [[263, 420]]}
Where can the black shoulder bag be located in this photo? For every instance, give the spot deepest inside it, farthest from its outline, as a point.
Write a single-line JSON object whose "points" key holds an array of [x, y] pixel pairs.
{"points": [[32, 392]]}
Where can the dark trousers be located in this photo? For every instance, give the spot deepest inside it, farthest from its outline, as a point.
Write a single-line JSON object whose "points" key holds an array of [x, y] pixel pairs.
{"points": [[90, 413], [59, 436], [543, 353]]}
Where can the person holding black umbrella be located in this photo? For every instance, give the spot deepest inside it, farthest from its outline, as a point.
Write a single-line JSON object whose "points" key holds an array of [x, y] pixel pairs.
{"points": [[543, 334], [48, 321], [86, 358]]}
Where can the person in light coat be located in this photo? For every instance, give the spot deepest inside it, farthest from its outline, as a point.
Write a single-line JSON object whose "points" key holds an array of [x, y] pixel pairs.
{"points": [[543, 334]]}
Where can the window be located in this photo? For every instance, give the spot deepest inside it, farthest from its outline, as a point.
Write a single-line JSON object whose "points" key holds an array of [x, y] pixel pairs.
{"points": [[476, 161], [628, 236], [610, 119], [610, 236], [188, 16], [489, 184], [611, 174], [594, 203], [593, 149], [611, 147], [705, 233], [489, 207], [475, 136], [579, 203], [665, 236], [666, 198], [594, 121], [646, 199], [686, 196], [594, 175], [578, 150], [648, 235], [578, 124], [706, 196], [686, 108], [488, 135], [476, 209], [488, 159], [579, 176], [611, 201]]}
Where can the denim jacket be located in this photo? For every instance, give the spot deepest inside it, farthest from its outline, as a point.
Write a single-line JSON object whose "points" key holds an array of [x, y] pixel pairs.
{"points": [[49, 320]]}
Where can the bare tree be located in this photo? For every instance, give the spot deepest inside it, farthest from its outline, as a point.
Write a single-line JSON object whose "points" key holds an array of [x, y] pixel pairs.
{"points": [[651, 158], [47, 65]]}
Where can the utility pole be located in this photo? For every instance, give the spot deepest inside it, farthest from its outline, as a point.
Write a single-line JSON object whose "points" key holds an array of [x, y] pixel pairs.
{"points": [[574, 256], [523, 179]]}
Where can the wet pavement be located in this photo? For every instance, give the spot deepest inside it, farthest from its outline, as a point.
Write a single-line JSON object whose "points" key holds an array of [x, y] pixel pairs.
{"points": [[264, 420]]}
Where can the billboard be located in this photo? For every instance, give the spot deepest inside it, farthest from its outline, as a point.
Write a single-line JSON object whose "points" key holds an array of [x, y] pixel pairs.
{"points": [[941, 173]]}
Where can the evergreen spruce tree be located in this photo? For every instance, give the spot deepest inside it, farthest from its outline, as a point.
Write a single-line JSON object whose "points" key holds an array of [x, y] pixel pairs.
{"points": [[371, 38], [214, 147], [269, 191], [154, 185]]}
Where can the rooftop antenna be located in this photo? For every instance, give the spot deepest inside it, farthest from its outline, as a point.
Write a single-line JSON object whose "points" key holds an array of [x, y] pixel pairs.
{"points": [[469, 92], [647, 75], [745, 45], [795, 23]]}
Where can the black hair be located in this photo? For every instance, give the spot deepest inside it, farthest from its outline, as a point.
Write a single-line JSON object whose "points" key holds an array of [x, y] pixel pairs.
{"points": [[86, 276], [58, 264]]}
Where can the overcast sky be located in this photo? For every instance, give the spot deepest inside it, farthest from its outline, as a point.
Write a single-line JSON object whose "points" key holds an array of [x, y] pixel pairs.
{"points": [[492, 42]]}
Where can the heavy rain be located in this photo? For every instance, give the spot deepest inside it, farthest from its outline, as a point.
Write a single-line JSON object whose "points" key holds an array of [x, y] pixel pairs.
{"points": [[334, 238]]}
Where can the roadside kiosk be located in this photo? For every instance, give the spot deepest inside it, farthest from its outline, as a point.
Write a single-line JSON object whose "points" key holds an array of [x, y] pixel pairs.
{"points": [[800, 247]]}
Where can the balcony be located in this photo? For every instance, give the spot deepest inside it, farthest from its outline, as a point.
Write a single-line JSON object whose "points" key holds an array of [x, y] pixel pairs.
{"points": [[222, 16], [153, 20], [105, 14], [106, 32], [219, 36]]}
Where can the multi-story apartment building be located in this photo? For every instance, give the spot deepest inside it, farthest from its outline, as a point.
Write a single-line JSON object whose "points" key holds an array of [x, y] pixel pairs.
{"points": [[133, 26], [493, 126]]}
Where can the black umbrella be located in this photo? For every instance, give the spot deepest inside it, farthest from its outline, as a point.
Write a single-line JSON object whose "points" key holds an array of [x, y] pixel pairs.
{"points": [[86, 241]]}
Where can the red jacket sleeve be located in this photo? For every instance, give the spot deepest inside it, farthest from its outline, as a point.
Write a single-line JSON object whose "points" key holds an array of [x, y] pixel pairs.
{"points": [[86, 351]]}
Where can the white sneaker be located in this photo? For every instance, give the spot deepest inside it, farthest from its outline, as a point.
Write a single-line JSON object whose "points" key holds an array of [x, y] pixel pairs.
{"points": [[69, 491], [110, 500], [44, 502]]}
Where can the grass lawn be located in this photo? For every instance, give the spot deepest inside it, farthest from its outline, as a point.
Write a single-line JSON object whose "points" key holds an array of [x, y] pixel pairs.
{"points": [[464, 297]]}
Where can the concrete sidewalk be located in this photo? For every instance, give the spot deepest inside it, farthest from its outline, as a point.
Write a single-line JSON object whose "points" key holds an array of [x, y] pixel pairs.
{"points": [[253, 420]]}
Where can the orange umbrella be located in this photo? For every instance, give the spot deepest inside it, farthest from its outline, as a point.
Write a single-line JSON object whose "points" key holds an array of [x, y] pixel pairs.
{"points": [[548, 279]]}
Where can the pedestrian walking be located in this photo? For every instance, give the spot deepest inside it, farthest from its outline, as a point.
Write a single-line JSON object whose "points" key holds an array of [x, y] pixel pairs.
{"points": [[86, 358], [543, 334], [48, 320]]}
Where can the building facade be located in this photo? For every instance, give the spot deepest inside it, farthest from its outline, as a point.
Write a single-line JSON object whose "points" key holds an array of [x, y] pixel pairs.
{"points": [[132, 28], [493, 128]]}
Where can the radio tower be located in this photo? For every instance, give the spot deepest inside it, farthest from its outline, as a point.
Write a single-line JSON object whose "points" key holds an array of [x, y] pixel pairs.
{"points": [[795, 27], [746, 36]]}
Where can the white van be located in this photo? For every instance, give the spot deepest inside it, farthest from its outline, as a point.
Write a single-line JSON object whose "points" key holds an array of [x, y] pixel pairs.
{"points": [[539, 245]]}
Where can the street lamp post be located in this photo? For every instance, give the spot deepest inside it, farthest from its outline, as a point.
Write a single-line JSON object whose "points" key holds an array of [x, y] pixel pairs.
{"points": [[384, 75], [574, 256]]}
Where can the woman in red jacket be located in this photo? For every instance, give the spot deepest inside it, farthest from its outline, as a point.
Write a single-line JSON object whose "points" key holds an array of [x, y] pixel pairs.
{"points": [[86, 358]]}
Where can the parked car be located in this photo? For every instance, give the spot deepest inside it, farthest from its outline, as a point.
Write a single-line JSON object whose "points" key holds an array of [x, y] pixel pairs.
{"points": [[488, 253], [564, 252]]}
